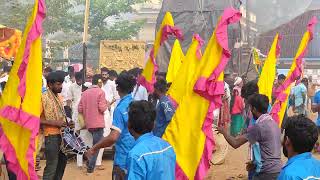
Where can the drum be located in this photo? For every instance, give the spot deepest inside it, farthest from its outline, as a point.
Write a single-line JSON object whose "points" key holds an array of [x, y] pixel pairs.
{"points": [[72, 142]]}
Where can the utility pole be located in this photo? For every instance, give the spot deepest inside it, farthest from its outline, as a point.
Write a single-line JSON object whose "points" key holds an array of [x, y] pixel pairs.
{"points": [[85, 38]]}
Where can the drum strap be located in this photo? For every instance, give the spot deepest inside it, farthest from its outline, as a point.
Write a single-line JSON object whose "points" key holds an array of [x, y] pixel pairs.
{"points": [[59, 104]]}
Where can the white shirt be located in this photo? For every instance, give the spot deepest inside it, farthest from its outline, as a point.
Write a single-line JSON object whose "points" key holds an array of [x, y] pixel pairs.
{"points": [[65, 89], [4, 79], [74, 94], [110, 89], [140, 94]]}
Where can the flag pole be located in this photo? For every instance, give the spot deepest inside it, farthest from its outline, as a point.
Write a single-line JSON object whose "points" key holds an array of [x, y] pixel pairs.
{"points": [[85, 38]]}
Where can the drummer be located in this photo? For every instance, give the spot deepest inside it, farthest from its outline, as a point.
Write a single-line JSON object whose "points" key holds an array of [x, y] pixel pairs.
{"points": [[119, 131], [52, 119]]}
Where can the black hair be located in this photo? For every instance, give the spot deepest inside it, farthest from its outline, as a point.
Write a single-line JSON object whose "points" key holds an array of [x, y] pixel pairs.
{"points": [[281, 77], [104, 69], [125, 82], [71, 69], [113, 73], [259, 102], [55, 76], [3, 85], [249, 89], [95, 79], [135, 72], [305, 80], [142, 115], [302, 132], [161, 85], [48, 69], [78, 75]]}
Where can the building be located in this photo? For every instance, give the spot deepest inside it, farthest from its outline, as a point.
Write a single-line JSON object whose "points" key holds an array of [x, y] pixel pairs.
{"points": [[291, 34], [149, 12]]}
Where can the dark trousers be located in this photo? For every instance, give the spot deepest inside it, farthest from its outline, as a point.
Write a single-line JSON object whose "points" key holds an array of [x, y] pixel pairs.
{"points": [[97, 135], [56, 161], [266, 176], [118, 173]]}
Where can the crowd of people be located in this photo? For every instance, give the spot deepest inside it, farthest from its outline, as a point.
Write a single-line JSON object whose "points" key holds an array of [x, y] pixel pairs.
{"points": [[111, 109]]}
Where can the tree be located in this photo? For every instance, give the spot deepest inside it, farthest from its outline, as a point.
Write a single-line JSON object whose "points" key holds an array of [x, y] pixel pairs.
{"points": [[64, 22], [100, 10], [13, 13]]}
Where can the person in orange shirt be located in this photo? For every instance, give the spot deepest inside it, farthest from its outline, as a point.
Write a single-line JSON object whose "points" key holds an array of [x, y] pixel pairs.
{"points": [[52, 120]]}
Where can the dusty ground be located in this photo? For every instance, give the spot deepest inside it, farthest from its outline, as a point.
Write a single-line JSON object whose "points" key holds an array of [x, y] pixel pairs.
{"points": [[233, 168]]}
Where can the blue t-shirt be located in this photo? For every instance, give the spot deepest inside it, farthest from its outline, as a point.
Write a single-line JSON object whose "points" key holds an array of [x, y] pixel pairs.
{"points": [[165, 111], [299, 93], [151, 158], [316, 101], [120, 123], [302, 166]]}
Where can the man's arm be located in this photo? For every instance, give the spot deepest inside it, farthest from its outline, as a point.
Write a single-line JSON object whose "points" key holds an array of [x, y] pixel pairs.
{"points": [[103, 104], [136, 169], [104, 142], [235, 142], [80, 106], [315, 106], [168, 110]]}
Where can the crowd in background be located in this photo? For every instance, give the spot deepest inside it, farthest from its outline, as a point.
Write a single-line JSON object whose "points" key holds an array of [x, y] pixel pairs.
{"points": [[112, 110]]}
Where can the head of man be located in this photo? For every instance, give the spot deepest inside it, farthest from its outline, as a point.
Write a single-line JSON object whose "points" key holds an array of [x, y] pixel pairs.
{"points": [[54, 81], [259, 105], [46, 71], [96, 79], [104, 74], [113, 75], [125, 84], [160, 88], [305, 81], [135, 72], [71, 71], [281, 78], [249, 89], [161, 75], [142, 115], [300, 136], [79, 78]]}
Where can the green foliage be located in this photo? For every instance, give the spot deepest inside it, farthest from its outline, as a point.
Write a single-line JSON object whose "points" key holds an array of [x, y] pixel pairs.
{"points": [[64, 22], [67, 16]]}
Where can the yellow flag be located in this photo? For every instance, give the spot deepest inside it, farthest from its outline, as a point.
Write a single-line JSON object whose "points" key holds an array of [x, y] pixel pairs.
{"points": [[147, 78], [268, 72], [176, 60], [21, 100], [280, 105], [189, 131], [186, 72]]}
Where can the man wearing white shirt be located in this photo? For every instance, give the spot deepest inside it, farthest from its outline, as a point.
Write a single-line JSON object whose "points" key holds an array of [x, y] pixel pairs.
{"points": [[73, 99], [139, 92]]}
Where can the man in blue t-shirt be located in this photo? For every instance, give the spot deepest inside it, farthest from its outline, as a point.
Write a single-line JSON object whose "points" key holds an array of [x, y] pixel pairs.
{"points": [[316, 108], [119, 135], [165, 109], [299, 138], [299, 94], [151, 157]]}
